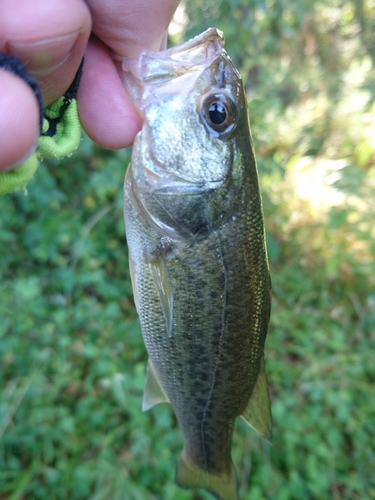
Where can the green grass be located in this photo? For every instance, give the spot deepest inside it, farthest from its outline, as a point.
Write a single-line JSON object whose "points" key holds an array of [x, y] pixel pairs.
{"points": [[71, 353], [73, 360]]}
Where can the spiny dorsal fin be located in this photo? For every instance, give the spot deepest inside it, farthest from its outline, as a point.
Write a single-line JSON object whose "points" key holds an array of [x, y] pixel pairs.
{"points": [[258, 410], [153, 393]]}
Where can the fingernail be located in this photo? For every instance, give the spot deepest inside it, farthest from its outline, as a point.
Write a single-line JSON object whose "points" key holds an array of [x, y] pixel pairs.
{"points": [[164, 40], [44, 57]]}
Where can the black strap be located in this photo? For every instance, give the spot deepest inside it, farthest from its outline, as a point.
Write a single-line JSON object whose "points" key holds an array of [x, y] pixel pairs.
{"points": [[15, 66], [68, 96]]}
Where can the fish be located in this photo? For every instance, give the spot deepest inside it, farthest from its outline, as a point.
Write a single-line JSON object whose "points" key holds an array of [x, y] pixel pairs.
{"points": [[198, 260]]}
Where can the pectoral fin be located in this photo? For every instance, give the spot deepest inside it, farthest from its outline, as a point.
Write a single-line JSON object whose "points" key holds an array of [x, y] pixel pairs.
{"points": [[132, 279], [160, 277], [153, 393], [258, 410]]}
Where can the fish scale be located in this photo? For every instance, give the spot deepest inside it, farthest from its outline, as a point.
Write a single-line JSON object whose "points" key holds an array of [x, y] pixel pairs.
{"points": [[198, 261]]}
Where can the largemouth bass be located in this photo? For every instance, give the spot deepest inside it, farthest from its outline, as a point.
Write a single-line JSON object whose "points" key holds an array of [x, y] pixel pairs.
{"points": [[195, 233]]}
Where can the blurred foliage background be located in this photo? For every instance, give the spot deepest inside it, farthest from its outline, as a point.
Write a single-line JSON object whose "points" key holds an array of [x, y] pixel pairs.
{"points": [[71, 353]]}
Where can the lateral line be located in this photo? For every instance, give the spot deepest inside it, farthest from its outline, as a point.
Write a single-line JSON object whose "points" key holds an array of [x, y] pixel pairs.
{"points": [[219, 353]]}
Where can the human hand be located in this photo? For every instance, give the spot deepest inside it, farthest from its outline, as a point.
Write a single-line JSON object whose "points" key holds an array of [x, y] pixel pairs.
{"points": [[50, 38]]}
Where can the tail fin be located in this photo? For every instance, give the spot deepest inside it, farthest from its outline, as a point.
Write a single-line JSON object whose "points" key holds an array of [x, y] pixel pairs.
{"points": [[189, 475]]}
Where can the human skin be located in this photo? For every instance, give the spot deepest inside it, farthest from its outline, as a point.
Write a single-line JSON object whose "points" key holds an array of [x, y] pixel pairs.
{"points": [[51, 42]]}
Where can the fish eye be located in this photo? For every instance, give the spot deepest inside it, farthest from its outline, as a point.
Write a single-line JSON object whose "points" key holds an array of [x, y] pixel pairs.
{"points": [[219, 113]]}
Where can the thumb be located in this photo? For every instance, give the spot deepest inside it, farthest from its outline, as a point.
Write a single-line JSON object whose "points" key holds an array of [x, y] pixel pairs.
{"points": [[131, 27], [50, 42], [47, 39]]}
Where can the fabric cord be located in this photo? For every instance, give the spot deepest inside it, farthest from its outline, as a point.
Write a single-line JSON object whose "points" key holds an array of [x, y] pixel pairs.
{"points": [[60, 128]]}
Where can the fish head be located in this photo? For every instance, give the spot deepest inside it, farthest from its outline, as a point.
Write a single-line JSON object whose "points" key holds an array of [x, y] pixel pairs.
{"points": [[186, 163]]}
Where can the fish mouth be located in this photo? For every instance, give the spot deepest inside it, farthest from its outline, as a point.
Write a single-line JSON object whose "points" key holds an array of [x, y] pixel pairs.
{"points": [[176, 61], [159, 67], [199, 49], [184, 189], [161, 186]]}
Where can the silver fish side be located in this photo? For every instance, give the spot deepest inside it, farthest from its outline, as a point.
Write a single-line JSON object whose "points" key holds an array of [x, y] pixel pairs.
{"points": [[195, 233]]}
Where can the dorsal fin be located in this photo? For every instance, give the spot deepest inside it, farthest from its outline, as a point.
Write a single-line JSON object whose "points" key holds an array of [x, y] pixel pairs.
{"points": [[258, 410]]}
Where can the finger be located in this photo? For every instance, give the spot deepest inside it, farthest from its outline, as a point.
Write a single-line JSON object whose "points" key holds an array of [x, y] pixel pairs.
{"points": [[106, 111], [48, 37], [127, 28], [132, 27], [19, 120]]}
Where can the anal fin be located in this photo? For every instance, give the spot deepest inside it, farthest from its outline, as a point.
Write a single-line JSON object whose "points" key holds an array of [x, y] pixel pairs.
{"points": [[257, 413], [153, 392]]}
